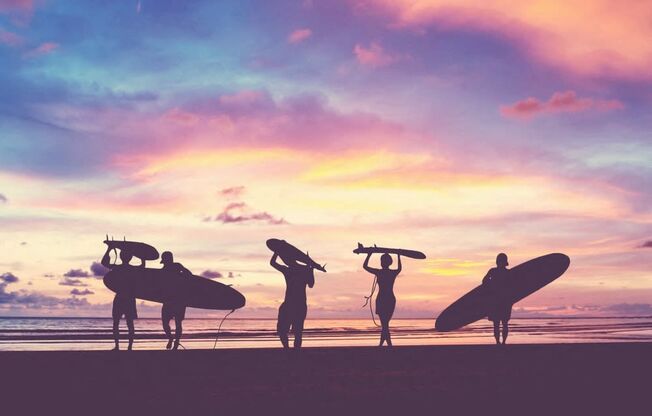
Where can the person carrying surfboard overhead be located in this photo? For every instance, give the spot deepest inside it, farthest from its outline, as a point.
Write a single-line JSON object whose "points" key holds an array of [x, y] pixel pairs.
{"points": [[292, 312], [172, 309], [496, 282], [124, 304], [385, 300]]}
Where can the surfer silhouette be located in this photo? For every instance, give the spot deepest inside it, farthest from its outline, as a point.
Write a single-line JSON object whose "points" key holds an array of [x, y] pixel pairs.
{"points": [[173, 309], [385, 300], [123, 303], [496, 282], [293, 310]]}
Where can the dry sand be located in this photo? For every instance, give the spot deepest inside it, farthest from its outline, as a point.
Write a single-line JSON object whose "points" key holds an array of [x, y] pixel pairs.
{"points": [[517, 379]]}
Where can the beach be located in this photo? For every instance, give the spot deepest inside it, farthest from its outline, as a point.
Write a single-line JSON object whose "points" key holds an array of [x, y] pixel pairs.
{"points": [[523, 379]]}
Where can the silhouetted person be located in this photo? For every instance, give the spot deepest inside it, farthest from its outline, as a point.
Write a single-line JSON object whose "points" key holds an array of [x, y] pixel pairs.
{"points": [[501, 310], [293, 310], [385, 300], [173, 309], [123, 303]]}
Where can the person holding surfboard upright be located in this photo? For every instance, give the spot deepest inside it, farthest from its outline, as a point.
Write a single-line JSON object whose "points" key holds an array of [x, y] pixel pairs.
{"points": [[123, 303], [293, 310], [173, 310], [385, 300], [496, 281]]}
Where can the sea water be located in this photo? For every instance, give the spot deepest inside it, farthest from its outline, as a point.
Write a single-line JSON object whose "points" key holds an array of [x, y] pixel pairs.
{"points": [[96, 333]]}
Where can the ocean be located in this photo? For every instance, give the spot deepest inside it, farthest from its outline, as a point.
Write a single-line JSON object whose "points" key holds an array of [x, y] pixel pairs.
{"points": [[96, 334]]}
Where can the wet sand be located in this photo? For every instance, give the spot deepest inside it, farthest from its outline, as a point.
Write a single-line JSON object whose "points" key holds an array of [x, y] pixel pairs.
{"points": [[516, 379]]}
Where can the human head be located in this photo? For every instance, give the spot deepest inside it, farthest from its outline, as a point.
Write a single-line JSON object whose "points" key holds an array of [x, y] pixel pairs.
{"points": [[125, 256], [386, 261], [167, 257], [501, 260]]}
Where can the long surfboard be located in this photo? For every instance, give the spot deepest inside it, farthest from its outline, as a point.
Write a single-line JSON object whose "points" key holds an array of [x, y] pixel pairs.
{"points": [[413, 254], [524, 279], [290, 254], [137, 249], [157, 285]]}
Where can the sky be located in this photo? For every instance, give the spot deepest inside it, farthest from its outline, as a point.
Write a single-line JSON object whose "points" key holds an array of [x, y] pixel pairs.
{"points": [[458, 128]]}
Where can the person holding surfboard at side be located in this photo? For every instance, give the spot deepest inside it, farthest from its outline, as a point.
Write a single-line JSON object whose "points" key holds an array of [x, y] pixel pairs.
{"points": [[496, 281], [123, 303], [385, 300], [173, 309]]}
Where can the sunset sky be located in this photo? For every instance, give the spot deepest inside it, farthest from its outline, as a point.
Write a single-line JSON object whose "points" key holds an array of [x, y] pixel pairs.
{"points": [[458, 128]]}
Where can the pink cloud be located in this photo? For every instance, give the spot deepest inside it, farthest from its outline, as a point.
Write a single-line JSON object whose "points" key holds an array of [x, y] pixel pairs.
{"points": [[244, 98], [42, 49], [299, 35], [7, 5], [9, 38], [559, 102], [179, 116], [374, 55], [550, 32]]}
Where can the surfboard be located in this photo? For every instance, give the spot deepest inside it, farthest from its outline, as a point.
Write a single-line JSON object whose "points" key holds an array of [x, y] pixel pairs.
{"points": [[157, 285], [413, 254], [289, 254], [524, 279], [137, 249]]}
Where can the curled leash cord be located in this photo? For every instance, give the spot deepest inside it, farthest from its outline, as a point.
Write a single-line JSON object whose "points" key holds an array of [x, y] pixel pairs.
{"points": [[220, 327], [369, 300]]}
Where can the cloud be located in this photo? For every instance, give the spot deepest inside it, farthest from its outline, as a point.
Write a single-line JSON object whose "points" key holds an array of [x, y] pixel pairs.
{"points": [[299, 35], [8, 277], [77, 292], [211, 274], [374, 55], [42, 49], [10, 39], [3, 199], [77, 273], [98, 270], [239, 212], [67, 281], [637, 309], [233, 191], [559, 102], [9, 5], [647, 244], [548, 31]]}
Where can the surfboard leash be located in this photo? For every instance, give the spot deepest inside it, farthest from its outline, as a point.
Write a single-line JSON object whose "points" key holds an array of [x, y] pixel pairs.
{"points": [[219, 328], [369, 300]]}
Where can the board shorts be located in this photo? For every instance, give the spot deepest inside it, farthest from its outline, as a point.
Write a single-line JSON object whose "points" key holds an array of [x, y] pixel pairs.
{"points": [[291, 316], [385, 305], [124, 306], [173, 311], [500, 313]]}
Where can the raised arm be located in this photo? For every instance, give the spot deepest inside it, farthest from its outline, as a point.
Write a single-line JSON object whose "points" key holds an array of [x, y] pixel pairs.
{"points": [[275, 264], [366, 265], [487, 278], [399, 266], [106, 260]]}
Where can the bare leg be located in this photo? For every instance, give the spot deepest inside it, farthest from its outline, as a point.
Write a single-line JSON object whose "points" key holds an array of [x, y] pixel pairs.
{"points": [[116, 333], [505, 331], [130, 326], [178, 330], [497, 331], [297, 328], [168, 332], [385, 335], [283, 327]]}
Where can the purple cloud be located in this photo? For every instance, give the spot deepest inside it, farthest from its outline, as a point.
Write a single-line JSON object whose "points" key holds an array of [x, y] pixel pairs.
{"points": [[67, 281], [77, 292], [239, 212], [232, 192], [211, 274], [3, 199], [647, 244], [6, 278], [98, 270], [77, 273]]}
